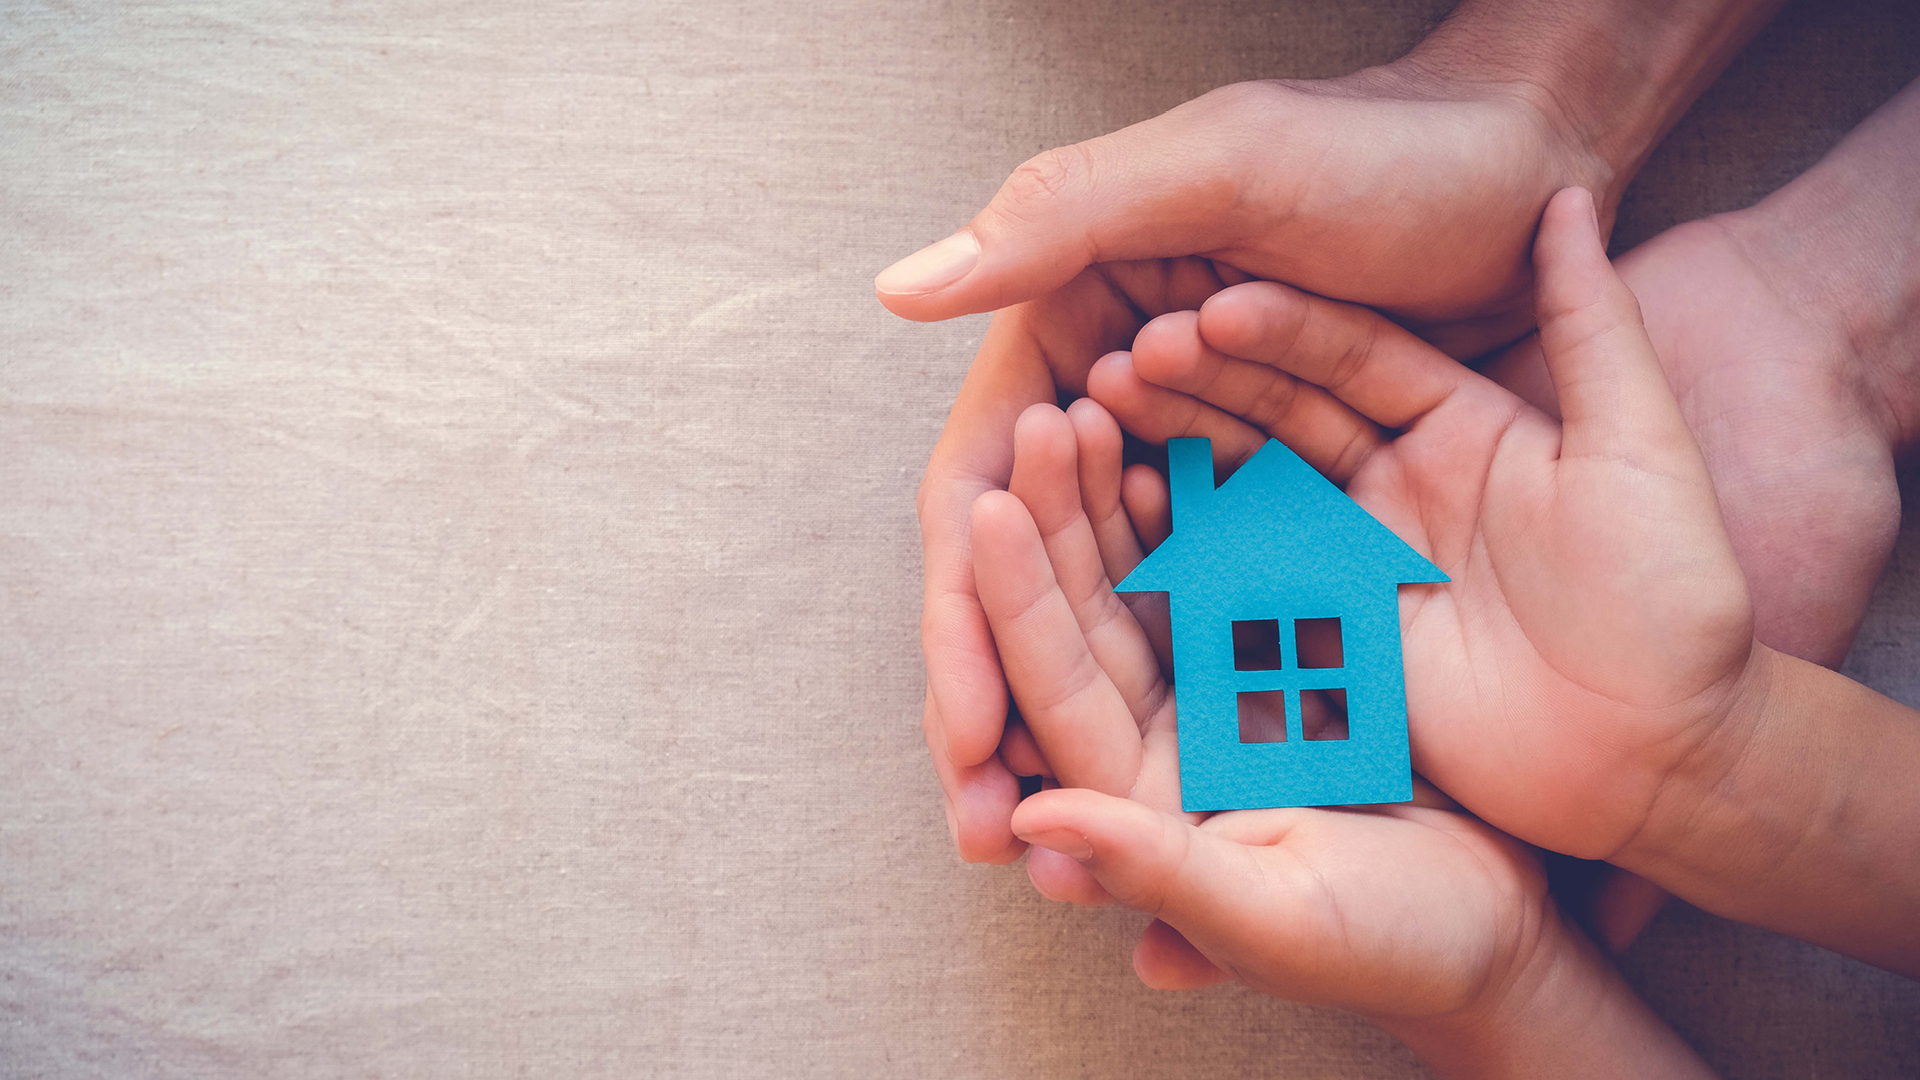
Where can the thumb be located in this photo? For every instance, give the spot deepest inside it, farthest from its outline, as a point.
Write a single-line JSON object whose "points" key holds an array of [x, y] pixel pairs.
{"points": [[1204, 885], [1613, 394], [1163, 187]]}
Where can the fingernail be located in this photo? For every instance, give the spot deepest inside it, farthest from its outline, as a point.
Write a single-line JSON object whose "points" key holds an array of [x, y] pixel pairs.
{"points": [[1593, 207], [1066, 842], [953, 819], [930, 268]]}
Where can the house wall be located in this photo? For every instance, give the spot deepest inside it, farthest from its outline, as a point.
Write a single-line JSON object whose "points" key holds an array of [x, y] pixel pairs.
{"points": [[1218, 771]]}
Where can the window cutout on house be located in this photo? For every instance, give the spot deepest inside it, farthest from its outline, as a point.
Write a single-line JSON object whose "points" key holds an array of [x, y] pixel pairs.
{"points": [[1263, 716], [1323, 715], [1256, 645], [1317, 643]]}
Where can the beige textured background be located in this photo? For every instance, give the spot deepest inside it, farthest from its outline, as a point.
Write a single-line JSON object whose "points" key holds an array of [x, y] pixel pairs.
{"points": [[458, 580]]}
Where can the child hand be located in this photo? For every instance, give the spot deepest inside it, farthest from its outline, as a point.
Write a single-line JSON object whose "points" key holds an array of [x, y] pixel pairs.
{"points": [[1419, 916], [1597, 630], [1310, 904], [1068, 527]]}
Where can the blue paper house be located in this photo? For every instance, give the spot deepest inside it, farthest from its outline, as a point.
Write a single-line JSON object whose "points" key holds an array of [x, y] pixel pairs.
{"points": [[1282, 557]]}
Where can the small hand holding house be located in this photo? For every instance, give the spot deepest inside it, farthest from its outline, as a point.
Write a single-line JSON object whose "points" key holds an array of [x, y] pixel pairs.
{"points": [[1279, 548]]}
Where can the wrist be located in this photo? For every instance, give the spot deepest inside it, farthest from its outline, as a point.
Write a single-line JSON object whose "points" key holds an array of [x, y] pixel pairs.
{"points": [[1609, 77], [1795, 814], [1690, 815], [1564, 1012], [1841, 245]]}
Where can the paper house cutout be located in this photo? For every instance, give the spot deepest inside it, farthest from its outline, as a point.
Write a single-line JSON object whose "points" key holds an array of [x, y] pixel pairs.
{"points": [[1274, 545]]}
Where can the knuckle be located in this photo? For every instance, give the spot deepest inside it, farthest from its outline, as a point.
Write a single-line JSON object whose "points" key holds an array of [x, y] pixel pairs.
{"points": [[1242, 97], [1354, 359], [1106, 614], [1274, 402], [1070, 696], [1046, 178], [1353, 455], [1155, 892]]}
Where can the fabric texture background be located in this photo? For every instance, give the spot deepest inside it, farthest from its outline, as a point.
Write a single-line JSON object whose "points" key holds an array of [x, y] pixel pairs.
{"points": [[458, 575]]}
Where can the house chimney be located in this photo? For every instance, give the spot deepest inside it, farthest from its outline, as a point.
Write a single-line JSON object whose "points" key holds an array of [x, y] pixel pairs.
{"points": [[1189, 476]]}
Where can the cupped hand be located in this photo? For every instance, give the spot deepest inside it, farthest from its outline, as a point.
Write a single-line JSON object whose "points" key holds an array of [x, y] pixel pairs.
{"points": [[1403, 911], [1597, 628], [1032, 353], [1313, 905], [1393, 187], [1094, 523]]}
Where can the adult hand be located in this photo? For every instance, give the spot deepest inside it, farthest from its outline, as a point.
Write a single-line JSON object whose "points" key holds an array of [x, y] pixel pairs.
{"points": [[1414, 187], [1395, 187]]}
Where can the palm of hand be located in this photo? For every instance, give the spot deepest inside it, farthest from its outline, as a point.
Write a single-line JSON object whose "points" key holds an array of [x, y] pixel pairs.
{"points": [[1323, 911], [1595, 626]]}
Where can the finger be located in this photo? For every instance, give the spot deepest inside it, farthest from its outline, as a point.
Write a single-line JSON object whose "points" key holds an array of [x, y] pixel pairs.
{"points": [[1076, 714], [1323, 715], [1149, 508], [1103, 494], [1203, 884], [1623, 904], [974, 455], [1432, 798], [1381, 371], [1058, 877], [1333, 438], [1046, 477], [1149, 504], [1614, 399], [1099, 443], [1166, 961], [1020, 753], [1168, 186], [1157, 414], [1154, 287], [979, 801]]}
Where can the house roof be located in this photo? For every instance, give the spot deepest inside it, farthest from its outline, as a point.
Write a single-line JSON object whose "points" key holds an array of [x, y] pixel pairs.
{"points": [[1276, 521]]}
